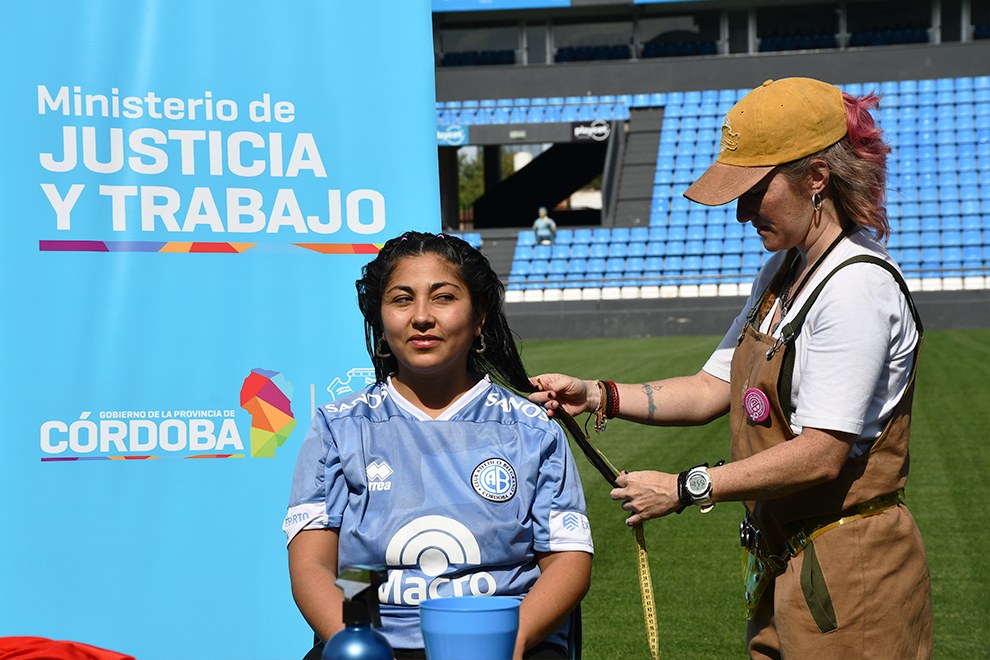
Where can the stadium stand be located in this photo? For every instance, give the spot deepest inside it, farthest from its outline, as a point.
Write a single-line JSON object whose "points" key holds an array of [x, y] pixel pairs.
{"points": [[939, 130]]}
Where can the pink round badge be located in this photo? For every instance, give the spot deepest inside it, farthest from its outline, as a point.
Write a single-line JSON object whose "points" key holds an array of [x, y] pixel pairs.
{"points": [[756, 404]]}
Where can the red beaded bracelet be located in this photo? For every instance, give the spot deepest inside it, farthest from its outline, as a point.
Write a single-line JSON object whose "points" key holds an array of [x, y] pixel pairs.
{"points": [[612, 403]]}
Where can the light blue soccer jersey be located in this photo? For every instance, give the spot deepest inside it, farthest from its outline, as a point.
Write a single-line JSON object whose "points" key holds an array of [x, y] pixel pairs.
{"points": [[459, 505]]}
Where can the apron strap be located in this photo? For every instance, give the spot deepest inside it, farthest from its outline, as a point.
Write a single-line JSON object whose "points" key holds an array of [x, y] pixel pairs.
{"points": [[793, 329]]}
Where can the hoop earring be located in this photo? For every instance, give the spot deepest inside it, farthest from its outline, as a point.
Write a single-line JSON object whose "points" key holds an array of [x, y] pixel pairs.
{"points": [[816, 202], [378, 349], [482, 347]]}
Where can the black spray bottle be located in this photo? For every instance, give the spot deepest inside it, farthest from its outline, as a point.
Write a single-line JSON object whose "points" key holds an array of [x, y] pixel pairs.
{"points": [[359, 640]]}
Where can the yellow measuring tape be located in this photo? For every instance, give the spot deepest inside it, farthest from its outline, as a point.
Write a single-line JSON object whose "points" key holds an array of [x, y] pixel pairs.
{"points": [[607, 470], [646, 593]]}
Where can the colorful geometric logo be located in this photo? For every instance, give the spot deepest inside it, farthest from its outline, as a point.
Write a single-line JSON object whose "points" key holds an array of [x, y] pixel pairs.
{"points": [[267, 396]]}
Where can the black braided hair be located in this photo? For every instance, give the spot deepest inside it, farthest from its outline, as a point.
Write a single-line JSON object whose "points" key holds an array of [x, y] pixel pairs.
{"points": [[500, 360]]}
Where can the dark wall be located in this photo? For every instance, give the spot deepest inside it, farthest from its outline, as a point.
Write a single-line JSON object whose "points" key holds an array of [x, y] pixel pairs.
{"points": [[940, 310], [713, 72]]}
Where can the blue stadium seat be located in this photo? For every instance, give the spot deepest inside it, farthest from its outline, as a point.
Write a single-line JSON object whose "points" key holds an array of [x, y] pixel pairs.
{"points": [[711, 262], [969, 193], [615, 265], [751, 262], [909, 258], [694, 247], [520, 268], [696, 232], [596, 265], [559, 265], [971, 237], [620, 234], [732, 246], [637, 249], [635, 264], [601, 235], [656, 248], [523, 252], [542, 252], [730, 263], [972, 257], [675, 248], [673, 265], [910, 239], [618, 249], [539, 266], [582, 250], [950, 237], [713, 246], [658, 233], [599, 249], [951, 222], [639, 234], [577, 266], [931, 257], [558, 251], [582, 235], [715, 230], [692, 262]]}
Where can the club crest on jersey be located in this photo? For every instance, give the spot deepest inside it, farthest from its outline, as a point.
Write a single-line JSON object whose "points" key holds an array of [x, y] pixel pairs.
{"points": [[494, 480]]}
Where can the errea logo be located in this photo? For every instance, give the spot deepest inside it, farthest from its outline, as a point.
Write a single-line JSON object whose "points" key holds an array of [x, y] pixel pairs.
{"points": [[378, 474]]}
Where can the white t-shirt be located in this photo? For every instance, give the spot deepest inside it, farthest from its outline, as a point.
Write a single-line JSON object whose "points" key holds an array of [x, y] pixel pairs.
{"points": [[855, 350]]}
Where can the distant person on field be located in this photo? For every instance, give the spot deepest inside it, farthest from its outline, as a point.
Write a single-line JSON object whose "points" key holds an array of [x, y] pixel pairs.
{"points": [[544, 227]]}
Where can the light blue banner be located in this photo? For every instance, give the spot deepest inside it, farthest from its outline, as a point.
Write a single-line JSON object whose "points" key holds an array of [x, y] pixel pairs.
{"points": [[189, 191]]}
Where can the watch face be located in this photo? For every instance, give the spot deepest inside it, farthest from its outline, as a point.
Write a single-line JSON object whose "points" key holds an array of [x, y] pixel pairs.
{"points": [[697, 483]]}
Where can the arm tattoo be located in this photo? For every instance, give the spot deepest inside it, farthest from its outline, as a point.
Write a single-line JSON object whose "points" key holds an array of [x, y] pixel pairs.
{"points": [[651, 405]]}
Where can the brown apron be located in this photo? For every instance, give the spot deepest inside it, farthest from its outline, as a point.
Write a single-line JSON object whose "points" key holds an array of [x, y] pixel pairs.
{"points": [[861, 589]]}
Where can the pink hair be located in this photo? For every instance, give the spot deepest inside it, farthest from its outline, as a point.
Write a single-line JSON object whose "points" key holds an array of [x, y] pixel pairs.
{"points": [[858, 165]]}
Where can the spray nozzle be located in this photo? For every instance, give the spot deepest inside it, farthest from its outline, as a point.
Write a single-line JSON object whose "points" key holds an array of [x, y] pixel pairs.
{"points": [[360, 586]]}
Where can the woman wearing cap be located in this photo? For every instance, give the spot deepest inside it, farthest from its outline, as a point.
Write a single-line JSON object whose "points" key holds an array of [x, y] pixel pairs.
{"points": [[817, 376]]}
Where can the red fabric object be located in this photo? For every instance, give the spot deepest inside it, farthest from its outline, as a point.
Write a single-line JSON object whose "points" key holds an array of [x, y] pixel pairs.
{"points": [[40, 648]]}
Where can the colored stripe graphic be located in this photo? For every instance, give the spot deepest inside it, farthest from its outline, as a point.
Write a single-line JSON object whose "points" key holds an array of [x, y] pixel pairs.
{"points": [[343, 248], [72, 246], [178, 247], [56, 459]]}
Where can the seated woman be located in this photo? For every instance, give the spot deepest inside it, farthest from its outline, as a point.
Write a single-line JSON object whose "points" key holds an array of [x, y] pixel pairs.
{"points": [[455, 483]]}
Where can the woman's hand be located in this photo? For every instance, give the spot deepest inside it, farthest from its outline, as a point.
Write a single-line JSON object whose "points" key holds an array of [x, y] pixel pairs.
{"points": [[556, 390], [647, 495]]}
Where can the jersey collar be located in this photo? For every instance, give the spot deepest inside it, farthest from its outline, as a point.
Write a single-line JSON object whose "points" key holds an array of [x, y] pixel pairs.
{"points": [[459, 404]]}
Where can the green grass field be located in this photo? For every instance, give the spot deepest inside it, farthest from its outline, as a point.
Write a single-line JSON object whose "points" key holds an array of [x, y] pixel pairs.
{"points": [[696, 559]]}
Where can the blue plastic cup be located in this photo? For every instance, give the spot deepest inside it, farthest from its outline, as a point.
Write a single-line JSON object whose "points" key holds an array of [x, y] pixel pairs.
{"points": [[477, 627]]}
